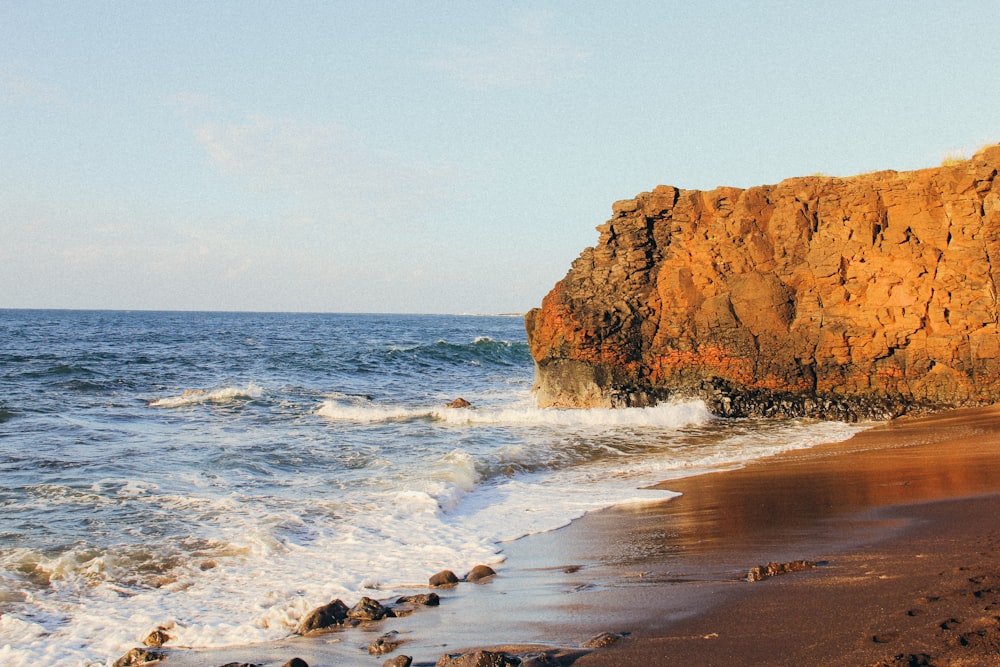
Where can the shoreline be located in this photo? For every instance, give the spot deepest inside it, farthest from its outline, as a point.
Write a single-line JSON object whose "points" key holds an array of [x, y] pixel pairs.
{"points": [[926, 596], [903, 519], [668, 574]]}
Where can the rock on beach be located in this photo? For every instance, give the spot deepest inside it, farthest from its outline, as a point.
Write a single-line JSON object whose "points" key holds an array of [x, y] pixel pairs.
{"points": [[368, 609], [480, 573], [334, 613], [443, 578], [139, 656]]}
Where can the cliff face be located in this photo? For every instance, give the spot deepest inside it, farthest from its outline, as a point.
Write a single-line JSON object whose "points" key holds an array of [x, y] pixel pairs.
{"points": [[838, 297]]}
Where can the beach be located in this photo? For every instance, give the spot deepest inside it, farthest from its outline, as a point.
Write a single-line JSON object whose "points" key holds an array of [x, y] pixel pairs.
{"points": [[902, 523]]}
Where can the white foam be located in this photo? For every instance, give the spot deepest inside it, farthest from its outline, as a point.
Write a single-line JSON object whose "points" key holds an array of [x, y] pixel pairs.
{"points": [[15, 631], [196, 396], [369, 414], [135, 487], [668, 415], [732, 450]]}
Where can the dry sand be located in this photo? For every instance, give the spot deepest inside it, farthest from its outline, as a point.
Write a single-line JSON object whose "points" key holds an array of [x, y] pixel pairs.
{"points": [[903, 521]]}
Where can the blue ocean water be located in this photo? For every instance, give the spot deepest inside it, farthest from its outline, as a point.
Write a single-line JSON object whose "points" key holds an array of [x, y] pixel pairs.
{"points": [[221, 474]]}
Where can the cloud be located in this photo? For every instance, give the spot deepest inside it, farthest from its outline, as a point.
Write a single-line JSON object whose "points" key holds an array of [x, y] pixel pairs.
{"points": [[278, 155], [524, 54], [22, 89], [324, 168]]}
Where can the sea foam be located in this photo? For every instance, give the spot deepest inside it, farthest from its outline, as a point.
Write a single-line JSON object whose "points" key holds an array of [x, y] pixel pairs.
{"points": [[196, 396], [669, 415]]}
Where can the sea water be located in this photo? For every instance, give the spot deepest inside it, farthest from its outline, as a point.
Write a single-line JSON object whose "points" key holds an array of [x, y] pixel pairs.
{"points": [[221, 474]]}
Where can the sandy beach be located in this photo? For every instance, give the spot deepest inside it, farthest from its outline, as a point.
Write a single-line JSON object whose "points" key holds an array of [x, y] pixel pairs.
{"points": [[902, 522]]}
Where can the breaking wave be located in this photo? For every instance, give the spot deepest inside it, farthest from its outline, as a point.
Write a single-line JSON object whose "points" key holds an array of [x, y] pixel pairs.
{"points": [[669, 415], [196, 396], [481, 350]]}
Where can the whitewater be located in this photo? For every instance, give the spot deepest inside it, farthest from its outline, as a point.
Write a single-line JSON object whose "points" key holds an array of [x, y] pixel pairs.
{"points": [[221, 474]]}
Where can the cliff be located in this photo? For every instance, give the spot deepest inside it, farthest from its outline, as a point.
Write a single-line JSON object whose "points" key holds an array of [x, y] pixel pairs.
{"points": [[851, 297]]}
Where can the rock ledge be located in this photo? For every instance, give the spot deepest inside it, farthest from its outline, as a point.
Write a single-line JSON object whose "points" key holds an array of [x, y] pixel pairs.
{"points": [[843, 298]]}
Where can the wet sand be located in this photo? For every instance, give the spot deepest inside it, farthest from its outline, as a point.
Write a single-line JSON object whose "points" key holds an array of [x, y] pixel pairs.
{"points": [[903, 521]]}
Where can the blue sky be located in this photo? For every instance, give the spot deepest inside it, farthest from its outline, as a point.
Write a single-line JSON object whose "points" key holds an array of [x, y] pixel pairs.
{"points": [[432, 157]]}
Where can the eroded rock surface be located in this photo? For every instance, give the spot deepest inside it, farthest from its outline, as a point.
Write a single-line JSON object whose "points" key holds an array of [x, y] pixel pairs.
{"points": [[838, 297]]}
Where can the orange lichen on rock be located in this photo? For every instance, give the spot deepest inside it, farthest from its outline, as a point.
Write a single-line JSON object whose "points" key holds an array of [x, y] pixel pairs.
{"points": [[848, 297]]}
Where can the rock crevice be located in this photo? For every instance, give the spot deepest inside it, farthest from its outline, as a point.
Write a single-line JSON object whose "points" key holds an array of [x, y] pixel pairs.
{"points": [[838, 297]]}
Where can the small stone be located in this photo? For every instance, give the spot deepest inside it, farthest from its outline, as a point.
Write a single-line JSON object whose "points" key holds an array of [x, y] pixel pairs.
{"points": [[368, 609], [479, 573], [296, 662], [426, 599], [604, 639], [774, 569], [387, 643], [139, 656], [539, 660], [444, 578], [156, 638], [328, 615], [398, 661]]}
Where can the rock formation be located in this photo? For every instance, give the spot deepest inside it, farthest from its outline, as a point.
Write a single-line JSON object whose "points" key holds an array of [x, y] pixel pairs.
{"points": [[851, 297]]}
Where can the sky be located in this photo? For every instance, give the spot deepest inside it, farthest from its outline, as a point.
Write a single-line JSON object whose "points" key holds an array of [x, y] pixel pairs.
{"points": [[433, 157]]}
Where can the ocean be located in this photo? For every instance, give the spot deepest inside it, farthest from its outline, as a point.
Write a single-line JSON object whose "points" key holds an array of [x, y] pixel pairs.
{"points": [[221, 474]]}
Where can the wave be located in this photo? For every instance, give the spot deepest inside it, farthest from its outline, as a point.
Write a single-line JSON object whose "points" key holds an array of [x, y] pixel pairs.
{"points": [[85, 386], [60, 369], [364, 414], [196, 396], [666, 415], [452, 478], [480, 350]]}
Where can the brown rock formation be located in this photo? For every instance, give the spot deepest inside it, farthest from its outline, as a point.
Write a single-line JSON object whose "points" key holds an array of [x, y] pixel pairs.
{"points": [[838, 297]]}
